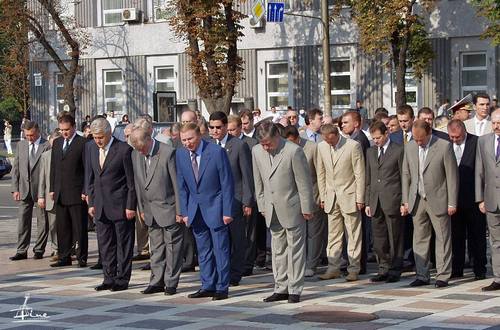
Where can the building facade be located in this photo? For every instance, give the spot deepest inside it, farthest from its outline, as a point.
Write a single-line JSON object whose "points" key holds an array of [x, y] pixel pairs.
{"points": [[127, 62]]}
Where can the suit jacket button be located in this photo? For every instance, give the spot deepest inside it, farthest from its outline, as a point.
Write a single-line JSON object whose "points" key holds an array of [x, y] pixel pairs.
{"points": [[378, 180]]}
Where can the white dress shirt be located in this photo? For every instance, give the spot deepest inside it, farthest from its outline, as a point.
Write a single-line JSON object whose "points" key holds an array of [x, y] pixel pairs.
{"points": [[69, 141], [480, 125], [36, 144], [459, 150], [222, 142], [384, 147]]}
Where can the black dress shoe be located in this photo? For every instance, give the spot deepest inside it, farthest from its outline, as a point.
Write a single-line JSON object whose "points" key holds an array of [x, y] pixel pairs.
{"points": [[146, 266], [61, 263], [188, 269], [96, 266], [38, 255], [276, 297], [140, 257], [82, 264], [19, 256], [247, 273], [201, 294], [456, 275], [103, 287], [119, 287], [479, 277], [293, 298], [419, 282], [392, 279], [379, 278], [220, 296], [152, 289], [492, 287], [440, 284], [170, 291], [234, 283]]}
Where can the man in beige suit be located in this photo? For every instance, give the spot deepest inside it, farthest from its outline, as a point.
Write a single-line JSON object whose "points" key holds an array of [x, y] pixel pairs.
{"points": [[284, 195], [430, 192], [480, 124], [341, 183], [488, 191]]}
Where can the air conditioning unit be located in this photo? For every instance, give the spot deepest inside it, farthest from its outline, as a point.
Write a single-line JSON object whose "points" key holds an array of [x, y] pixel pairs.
{"points": [[130, 15], [256, 23]]}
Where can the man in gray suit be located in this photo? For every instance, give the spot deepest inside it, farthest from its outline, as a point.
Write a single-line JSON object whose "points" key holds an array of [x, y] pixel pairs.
{"points": [[285, 197], [25, 176], [383, 195], [158, 204], [430, 192], [488, 191]]}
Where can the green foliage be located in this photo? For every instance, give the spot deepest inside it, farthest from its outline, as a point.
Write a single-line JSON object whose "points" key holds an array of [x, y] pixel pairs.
{"points": [[10, 109], [490, 9], [420, 51]]}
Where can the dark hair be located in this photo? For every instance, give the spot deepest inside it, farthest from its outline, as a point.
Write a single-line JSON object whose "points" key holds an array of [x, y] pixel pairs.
{"points": [[311, 114], [381, 110], [290, 131], [66, 118], [219, 115], [405, 109], [246, 113], [267, 129], [355, 115], [378, 126], [380, 115], [422, 124], [425, 110], [328, 129], [29, 125], [479, 95]]}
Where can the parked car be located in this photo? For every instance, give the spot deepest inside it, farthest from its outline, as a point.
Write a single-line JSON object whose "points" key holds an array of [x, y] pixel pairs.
{"points": [[119, 133], [5, 166]]}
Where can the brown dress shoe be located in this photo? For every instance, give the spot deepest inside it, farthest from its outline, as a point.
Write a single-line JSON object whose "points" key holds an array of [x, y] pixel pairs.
{"points": [[329, 275]]}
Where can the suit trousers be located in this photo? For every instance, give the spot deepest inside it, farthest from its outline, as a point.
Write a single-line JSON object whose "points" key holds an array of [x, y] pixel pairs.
{"points": [[238, 245], [24, 227], [260, 239], [338, 223], [189, 254], [494, 228], [423, 223], [388, 241], [468, 222], [315, 242], [115, 239], [51, 215], [251, 239], [72, 224], [288, 250], [166, 254], [141, 232], [214, 254]]}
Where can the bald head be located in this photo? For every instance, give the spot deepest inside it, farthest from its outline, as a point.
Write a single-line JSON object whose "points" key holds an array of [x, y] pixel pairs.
{"points": [[189, 116], [495, 121]]}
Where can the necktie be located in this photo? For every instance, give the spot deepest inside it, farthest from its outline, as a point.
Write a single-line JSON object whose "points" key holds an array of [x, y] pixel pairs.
{"points": [[405, 137], [147, 163], [315, 136], [31, 158], [194, 164], [66, 146], [218, 142], [458, 153], [380, 153], [102, 157], [498, 148], [421, 164], [480, 129]]}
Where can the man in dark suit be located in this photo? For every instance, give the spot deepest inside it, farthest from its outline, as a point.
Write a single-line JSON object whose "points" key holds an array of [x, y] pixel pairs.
{"points": [[426, 114], [25, 178], [67, 189], [468, 220], [247, 122], [405, 116], [158, 203], [240, 157], [112, 204], [383, 195], [206, 193]]}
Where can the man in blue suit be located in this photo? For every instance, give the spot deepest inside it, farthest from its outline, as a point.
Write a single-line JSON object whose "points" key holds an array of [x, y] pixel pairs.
{"points": [[206, 191], [405, 117]]}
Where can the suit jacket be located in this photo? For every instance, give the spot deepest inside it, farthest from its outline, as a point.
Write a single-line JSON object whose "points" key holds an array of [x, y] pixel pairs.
{"points": [[470, 126], [311, 152], [111, 189], [304, 136], [383, 179], [440, 176], [285, 186], [67, 171], [24, 179], [341, 176], [157, 193], [362, 140], [467, 173], [250, 141], [44, 182], [397, 137], [213, 194], [487, 173], [440, 134]]}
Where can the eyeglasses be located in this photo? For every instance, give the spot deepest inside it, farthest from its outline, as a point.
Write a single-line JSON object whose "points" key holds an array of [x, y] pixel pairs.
{"points": [[214, 127]]}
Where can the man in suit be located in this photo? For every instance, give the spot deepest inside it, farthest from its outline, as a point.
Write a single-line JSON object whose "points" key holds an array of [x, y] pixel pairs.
{"points": [[240, 160], [285, 197], [44, 201], [247, 122], [25, 178], [67, 189], [480, 124], [314, 120], [206, 193], [405, 116], [112, 203], [426, 114], [158, 203], [341, 183], [488, 190], [383, 195], [430, 190], [468, 221], [315, 227]]}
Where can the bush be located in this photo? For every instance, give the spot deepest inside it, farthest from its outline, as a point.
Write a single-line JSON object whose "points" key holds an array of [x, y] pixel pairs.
{"points": [[10, 109]]}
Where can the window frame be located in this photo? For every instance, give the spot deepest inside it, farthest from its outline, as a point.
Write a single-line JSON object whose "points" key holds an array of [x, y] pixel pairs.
{"points": [[172, 80], [269, 76], [341, 74], [106, 99], [473, 88], [111, 11], [57, 85]]}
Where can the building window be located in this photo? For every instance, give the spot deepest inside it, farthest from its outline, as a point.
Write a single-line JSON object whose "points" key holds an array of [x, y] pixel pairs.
{"points": [[59, 83], [112, 12], [340, 80], [411, 87], [113, 91], [277, 84], [474, 73], [161, 10], [164, 79]]}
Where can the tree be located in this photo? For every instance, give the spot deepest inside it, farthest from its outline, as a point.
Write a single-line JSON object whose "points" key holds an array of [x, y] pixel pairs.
{"points": [[490, 9], [211, 30], [393, 27], [56, 32]]}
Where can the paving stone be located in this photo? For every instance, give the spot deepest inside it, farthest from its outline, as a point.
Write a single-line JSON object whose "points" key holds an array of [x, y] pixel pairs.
{"points": [[20, 300], [273, 319], [79, 304], [89, 319], [21, 288], [433, 305], [474, 320], [399, 292], [210, 313], [473, 297], [70, 293], [232, 327], [21, 279], [140, 309], [131, 296], [335, 317], [436, 328], [155, 324], [492, 310], [252, 304], [362, 300], [10, 314], [36, 327], [390, 314], [355, 326]]}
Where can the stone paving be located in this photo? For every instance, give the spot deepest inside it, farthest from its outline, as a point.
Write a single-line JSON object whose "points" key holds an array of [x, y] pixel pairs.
{"points": [[68, 298]]}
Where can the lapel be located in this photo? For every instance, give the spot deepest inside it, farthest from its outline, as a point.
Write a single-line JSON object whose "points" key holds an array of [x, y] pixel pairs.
{"points": [[204, 160], [278, 158], [155, 157], [490, 146], [40, 150], [109, 156], [340, 150], [229, 144], [467, 152], [430, 153]]}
